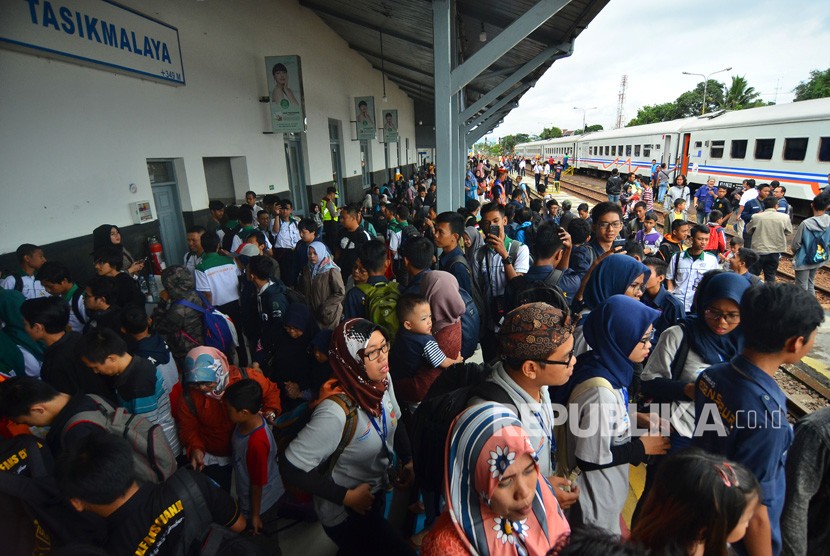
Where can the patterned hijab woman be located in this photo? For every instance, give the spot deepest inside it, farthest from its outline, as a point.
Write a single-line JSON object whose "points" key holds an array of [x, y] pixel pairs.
{"points": [[484, 442], [325, 261], [349, 375]]}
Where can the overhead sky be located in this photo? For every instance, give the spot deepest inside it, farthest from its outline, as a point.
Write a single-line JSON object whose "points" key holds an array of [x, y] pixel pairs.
{"points": [[773, 44]]}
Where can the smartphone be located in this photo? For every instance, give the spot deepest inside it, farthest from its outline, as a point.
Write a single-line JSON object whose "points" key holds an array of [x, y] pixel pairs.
{"points": [[494, 230], [618, 243]]}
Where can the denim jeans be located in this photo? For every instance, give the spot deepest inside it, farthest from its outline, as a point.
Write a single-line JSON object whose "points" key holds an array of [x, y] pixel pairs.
{"points": [[661, 191], [614, 199]]}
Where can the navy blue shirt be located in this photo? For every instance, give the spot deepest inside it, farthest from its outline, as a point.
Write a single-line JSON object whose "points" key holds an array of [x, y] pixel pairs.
{"points": [[458, 269], [411, 352], [750, 410], [354, 306]]}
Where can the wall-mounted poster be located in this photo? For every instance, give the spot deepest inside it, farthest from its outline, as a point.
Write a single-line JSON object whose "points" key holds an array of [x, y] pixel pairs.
{"points": [[285, 81], [364, 109], [390, 126]]}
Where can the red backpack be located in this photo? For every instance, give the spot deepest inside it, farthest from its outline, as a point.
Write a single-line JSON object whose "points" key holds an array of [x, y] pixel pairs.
{"points": [[717, 241]]}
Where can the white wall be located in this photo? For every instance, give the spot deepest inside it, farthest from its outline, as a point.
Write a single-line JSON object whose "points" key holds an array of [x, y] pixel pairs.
{"points": [[73, 138]]}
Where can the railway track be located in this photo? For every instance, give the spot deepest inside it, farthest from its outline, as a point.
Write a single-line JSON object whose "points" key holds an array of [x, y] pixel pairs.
{"points": [[805, 393]]}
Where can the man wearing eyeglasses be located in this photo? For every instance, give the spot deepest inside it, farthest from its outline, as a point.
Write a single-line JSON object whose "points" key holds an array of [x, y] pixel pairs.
{"points": [[686, 268], [535, 347]]}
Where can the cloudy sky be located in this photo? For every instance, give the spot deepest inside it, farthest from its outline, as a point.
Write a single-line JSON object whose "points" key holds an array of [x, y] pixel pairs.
{"points": [[774, 44]]}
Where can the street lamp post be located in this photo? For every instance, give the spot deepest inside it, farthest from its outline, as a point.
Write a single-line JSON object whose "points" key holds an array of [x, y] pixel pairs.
{"points": [[705, 84], [584, 110]]}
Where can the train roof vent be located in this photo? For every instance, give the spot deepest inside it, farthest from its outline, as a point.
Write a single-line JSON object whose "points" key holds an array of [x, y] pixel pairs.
{"points": [[713, 115]]}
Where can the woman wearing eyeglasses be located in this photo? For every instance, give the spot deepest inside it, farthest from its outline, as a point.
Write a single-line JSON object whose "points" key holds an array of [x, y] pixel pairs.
{"points": [[713, 335], [599, 441], [358, 404]]}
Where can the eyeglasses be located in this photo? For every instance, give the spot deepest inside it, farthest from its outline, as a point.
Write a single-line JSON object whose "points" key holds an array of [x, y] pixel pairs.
{"points": [[715, 315], [647, 339], [550, 362], [638, 286], [606, 225], [375, 353]]}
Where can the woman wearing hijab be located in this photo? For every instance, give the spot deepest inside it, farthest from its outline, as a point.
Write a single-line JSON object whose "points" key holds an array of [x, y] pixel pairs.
{"points": [[204, 426], [19, 354], [290, 367], [109, 235], [472, 243], [619, 333], [713, 336], [350, 498], [613, 275], [322, 285], [181, 326], [499, 503]]}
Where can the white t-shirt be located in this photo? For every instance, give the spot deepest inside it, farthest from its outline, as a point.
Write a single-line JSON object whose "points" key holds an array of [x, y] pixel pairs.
{"points": [[747, 196], [218, 275], [686, 273]]}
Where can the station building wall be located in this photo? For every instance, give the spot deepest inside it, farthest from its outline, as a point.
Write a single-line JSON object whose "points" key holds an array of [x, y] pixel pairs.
{"points": [[75, 138]]}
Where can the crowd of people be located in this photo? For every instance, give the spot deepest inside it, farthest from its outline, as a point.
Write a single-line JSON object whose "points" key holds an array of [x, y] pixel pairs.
{"points": [[306, 367]]}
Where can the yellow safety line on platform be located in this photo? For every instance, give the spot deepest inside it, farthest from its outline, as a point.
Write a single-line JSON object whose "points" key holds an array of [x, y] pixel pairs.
{"points": [[819, 366]]}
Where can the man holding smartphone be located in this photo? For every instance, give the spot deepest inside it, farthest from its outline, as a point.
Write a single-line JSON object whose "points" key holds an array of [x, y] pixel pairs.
{"points": [[499, 260]]}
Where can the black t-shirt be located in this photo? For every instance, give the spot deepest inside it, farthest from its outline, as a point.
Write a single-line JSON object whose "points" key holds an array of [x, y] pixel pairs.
{"points": [[349, 243], [152, 521], [128, 291], [64, 371]]}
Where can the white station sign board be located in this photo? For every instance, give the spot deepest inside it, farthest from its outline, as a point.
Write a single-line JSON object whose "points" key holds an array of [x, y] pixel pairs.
{"points": [[97, 33]]}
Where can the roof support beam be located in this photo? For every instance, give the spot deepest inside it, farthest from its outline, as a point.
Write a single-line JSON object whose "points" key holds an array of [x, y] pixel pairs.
{"points": [[325, 10], [500, 45], [553, 52], [487, 126], [493, 109]]}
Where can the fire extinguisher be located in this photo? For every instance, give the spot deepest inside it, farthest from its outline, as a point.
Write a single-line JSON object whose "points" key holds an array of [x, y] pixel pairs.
{"points": [[156, 255]]}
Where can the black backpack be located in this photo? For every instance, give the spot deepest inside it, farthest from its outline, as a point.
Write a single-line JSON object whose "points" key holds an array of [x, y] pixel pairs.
{"points": [[520, 290], [230, 233], [447, 397], [475, 294]]}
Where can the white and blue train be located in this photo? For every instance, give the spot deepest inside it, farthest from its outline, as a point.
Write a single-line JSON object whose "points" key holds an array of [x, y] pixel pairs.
{"points": [[785, 142]]}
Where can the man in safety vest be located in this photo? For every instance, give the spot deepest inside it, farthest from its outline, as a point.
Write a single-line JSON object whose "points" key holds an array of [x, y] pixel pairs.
{"points": [[328, 208]]}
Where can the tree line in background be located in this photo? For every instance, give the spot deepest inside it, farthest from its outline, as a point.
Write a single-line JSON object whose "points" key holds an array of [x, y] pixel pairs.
{"points": [[737, 96]]}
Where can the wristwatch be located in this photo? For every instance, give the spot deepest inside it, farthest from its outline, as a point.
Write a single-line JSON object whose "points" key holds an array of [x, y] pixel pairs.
{"points": [[507, 261]]}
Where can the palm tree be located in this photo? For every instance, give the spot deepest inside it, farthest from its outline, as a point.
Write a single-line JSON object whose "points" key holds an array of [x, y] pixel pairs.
{"points": [[740, 95]]}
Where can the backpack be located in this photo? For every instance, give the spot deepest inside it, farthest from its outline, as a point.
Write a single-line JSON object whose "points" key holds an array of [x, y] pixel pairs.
{"points": [[219, 330], [564, 450], [154, 460], [201, 535], [490, 317], [478, 299], [293, 296], [408, 232], [470, 325], [520, 290], [381, 303], [817, 251], [73, 304], [288, 426], [447, 397], [230, 233]]}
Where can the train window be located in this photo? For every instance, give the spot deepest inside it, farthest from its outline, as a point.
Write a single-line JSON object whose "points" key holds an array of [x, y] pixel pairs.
{"points": [[646, 150], [636, 150], [607, 150], [698, 144], [795, 148], [738, 149], [620, 150], [764, 149], [824, 149], [628, 150], [716, 149], [613, 150]]}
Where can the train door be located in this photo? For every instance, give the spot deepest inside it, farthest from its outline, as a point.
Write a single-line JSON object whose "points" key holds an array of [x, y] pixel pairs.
{"points": [[684, 155], [667, 157]]}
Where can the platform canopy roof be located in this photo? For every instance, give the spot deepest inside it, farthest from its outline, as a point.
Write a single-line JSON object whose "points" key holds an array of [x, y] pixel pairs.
{"points": [[396, 37]]}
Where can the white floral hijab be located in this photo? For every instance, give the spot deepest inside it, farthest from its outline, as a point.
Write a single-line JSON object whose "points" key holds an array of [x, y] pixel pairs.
{"points": [[485, 440]]}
